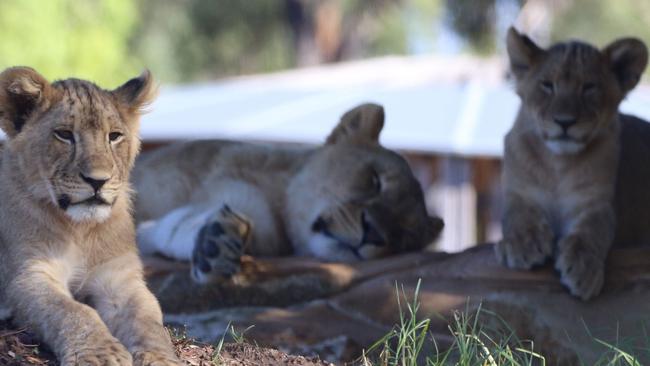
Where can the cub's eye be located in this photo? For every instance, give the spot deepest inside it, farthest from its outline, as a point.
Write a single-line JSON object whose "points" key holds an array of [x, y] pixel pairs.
{"points": [[547, 87], [115, 136], [65, 136], [588, 88]]}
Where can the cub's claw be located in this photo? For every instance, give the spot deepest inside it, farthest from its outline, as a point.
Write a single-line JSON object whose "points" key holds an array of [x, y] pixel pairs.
{"points": [[152, 358], [525, 247], [581, 269], [98, 352]]}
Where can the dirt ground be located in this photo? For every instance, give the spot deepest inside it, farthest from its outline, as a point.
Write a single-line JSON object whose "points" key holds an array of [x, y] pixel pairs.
{"points": [[19, 348]]}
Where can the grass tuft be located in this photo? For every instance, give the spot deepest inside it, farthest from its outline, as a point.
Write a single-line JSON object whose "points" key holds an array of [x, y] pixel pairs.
{"points": [[472, 343]]}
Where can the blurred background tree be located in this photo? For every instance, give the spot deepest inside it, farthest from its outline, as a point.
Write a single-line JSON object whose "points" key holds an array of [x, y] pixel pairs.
{"points": [[68, 37], [191, 40], [602, 21]]}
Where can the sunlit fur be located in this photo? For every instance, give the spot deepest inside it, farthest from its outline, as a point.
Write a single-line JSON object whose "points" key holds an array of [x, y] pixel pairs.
{"points": [[56, 166], [69, 267]]}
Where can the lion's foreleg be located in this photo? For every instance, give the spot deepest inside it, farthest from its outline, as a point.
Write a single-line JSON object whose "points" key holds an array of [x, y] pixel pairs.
{"points": [[131, 311], [527, 234], [582, 252], [41, 300]]}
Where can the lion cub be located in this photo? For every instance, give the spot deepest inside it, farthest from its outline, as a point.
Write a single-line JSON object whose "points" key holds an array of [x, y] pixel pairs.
{"points": [[347, 200], [69, 269], [576, 172]]}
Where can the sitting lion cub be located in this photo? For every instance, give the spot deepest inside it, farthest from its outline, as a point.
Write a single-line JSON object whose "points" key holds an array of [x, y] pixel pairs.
{"points": [[348, 200], [69, 269], [576, 171]]}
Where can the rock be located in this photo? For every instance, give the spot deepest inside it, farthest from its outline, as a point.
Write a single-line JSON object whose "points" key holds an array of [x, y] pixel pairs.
{"points": [[336, 310]]}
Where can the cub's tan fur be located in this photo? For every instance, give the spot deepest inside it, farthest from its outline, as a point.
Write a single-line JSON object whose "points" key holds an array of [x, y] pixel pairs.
{"points": [[69, 269], [348, 200], [576, 172]]}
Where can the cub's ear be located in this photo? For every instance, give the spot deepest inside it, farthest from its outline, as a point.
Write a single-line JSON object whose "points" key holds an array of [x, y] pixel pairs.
{"points": [[522, 51], [362, 124], [23, 91], [136, 94], [627, 58]]}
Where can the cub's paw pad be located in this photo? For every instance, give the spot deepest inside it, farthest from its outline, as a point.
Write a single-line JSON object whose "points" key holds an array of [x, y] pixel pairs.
{"points": [[152, 358], [525, 247], [219, 246], [112, 353], [581, 269]]}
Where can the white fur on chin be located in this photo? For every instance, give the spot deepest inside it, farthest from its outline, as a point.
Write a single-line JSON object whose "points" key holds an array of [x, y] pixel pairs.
{"points": [[327, 249], [86, 213], [564, 147]]}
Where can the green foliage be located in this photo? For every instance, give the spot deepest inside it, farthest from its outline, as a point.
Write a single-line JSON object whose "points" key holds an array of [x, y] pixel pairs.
{"points": [[179, 40], [602, 21], [472, 342], [109, 41], [403, 344], [478, 337], [59, 38], [203, 39]]}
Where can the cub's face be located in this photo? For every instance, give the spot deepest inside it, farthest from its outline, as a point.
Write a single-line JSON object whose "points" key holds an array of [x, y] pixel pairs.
{"points": [[74, 142], [355, 200], [572, 90]]}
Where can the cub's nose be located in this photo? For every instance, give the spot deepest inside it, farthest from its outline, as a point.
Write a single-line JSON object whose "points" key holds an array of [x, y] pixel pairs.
{"points": [[96, 182], [565, 120]]}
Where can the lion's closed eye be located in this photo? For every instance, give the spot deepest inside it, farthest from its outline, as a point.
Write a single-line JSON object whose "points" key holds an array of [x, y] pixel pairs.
{"points": [[367, 184], [63, 135]]}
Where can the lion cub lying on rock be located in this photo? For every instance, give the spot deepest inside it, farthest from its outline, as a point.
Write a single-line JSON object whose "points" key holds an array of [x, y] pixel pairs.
{"points": [[348, 200], [69, 268], [576, 171]]}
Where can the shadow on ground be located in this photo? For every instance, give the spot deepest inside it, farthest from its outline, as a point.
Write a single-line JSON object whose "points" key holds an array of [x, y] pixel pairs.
{"points": [[334, 311]]}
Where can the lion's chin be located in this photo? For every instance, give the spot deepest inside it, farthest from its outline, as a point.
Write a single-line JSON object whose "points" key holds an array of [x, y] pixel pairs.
{"points": [[89, 213], [565, 146]]}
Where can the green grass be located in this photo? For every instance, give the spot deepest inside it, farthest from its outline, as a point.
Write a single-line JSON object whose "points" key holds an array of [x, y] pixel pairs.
{"points": [[216, 355], [619, 353], [479, 337], [236, 336]]}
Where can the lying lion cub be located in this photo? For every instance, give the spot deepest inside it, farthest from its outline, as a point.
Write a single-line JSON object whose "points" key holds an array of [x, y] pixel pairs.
{"points": [[577, 177], [69, 269], [348, 200]]}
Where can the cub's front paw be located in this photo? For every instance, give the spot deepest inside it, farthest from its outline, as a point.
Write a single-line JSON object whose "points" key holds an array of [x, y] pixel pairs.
{"points": [[107, 352], [154, 358], [581, 267], [219, 246], [526, 246]]}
